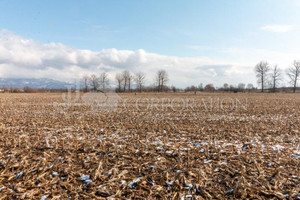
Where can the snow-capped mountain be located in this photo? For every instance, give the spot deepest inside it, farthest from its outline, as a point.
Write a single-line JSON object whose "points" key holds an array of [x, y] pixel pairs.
{"points": [[33, 83]]}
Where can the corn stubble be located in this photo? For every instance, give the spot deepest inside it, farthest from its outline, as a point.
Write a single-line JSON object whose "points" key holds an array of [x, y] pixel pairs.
{"points": [[149, 152]]}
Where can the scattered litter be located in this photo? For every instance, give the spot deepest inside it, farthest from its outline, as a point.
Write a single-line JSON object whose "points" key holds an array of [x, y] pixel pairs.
{"points": [[44, 197], [230, 192], [84, 177], [88, 181], [207, 161], [133, 184], [286, 195], [278, 147], [107, 174], [170, 182], [54, 174], [189, 185], [19, 175], [190, 154]]}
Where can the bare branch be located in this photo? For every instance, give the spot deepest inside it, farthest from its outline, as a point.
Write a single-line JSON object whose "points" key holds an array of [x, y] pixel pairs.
{"points": [[293, 74], [140, 79], [261, 70]]}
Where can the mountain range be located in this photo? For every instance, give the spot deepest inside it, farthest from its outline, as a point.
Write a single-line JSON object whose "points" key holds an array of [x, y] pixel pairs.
{"points": [[34, 83]]}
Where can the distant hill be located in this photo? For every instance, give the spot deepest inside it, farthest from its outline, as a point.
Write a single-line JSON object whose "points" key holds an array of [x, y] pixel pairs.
{"points": [[33, 83]]}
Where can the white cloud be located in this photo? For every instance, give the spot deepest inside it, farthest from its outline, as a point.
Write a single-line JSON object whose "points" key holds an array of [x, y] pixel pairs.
{"points": [[244, 56], [278, 28], [26, 58]]}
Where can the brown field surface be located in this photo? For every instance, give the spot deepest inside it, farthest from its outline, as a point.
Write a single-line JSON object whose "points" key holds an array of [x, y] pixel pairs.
{"points": [[155, 146]]}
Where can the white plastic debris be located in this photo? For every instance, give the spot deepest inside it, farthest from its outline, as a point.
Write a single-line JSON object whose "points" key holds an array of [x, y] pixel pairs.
{"points": [[44, 197], [170, 182], [207, 161], [296, 156], [88, 181], [54, 174], [278, 147], [189, 185], [84, 177], [132, 185], [19, 175], [111, 154]]}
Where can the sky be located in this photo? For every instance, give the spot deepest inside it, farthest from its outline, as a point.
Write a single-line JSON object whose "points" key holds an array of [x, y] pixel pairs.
{"points": [[195, 41]]}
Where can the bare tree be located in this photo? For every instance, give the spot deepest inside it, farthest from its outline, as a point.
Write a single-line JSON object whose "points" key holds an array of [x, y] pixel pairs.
{"points": [[200, 87], [226, 86], [209, 88], [232, 88], [275, 77], [130, 79], [86, 83], [161, 79], [241, 86], [193, 89], [119, 80], [103, 81], [294, 73], [262, 69], [126, 76], [140, 79], [250, 86], [94, 82], [173, 88]]}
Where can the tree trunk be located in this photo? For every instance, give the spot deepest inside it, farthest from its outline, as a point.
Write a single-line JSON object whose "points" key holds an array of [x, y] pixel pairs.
{"points": [[262, 83]]}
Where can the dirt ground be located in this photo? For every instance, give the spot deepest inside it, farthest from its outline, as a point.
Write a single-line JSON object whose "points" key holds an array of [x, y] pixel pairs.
{"points": [[150, 146]]}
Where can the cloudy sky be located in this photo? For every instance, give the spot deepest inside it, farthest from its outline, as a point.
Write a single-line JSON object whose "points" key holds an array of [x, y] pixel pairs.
{"points": [[196, 41]]}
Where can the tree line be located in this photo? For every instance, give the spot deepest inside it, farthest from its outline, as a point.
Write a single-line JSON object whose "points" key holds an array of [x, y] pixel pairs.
{"points": [[126, 82], [270, 77], [130, 82]]}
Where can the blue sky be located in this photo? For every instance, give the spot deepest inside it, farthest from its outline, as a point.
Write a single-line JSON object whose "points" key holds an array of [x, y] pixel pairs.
{"points": [[231, 32]]}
